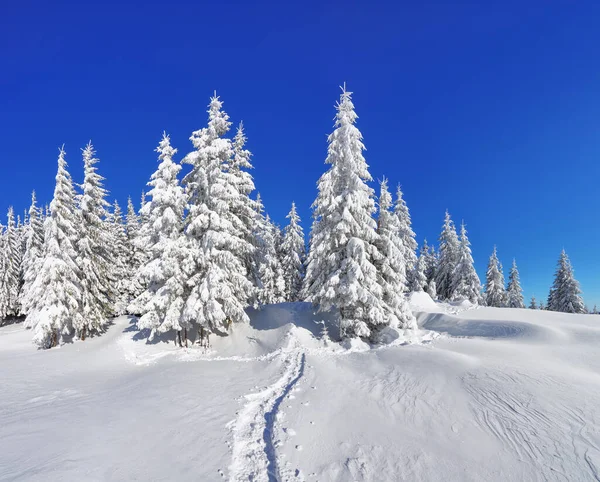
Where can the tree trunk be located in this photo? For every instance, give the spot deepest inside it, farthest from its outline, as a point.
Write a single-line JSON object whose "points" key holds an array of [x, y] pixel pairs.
{"points": [[179, 336], [185, 336], [54, 339], [83, 334]]}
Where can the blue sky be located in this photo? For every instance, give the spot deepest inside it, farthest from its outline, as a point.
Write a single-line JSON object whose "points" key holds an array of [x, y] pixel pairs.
{"points": [[488, 109]]}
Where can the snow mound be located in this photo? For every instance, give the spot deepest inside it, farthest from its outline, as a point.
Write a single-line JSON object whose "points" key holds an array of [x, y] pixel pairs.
{"points": [[421, 301]]}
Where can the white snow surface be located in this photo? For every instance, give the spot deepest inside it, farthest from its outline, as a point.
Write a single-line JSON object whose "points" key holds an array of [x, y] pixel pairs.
{"points": [[476, 394]]}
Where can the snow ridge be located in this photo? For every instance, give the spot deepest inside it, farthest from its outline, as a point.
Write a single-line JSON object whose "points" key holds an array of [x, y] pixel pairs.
{"points": [[254, 456]]}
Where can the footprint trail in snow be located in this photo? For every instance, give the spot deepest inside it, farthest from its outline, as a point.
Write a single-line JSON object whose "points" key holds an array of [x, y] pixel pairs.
{"points": [[254, 454]]}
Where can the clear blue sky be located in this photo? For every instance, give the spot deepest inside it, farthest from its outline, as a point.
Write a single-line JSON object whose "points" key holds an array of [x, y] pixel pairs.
{"points": [[488, 109]]}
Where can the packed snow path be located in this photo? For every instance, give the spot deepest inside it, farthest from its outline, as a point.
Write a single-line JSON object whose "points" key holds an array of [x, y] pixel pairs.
{"points": [[254, 456]]}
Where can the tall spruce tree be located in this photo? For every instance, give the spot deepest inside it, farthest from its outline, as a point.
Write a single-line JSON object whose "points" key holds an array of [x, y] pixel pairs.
{"points": [[293, 256], [119, 268], [447, 259], [270, 269], [391, 264], [565, 294], [162, 303], [3, 265], [12, 266], [55, 306], [495, 294], [514, 292], [219, 283], [136, 258], [243, 206], [465, 282], [418, 280], [406, 234], [94, 251], [430, 261], [34, 250], [341, 271]]}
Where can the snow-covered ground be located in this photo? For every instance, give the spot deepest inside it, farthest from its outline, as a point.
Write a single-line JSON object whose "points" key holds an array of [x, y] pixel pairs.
{"points": [[478, 394]]}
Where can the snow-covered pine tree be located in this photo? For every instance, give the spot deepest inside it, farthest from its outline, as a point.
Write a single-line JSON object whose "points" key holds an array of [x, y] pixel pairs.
{"points": [[495, 295], [447, 259], [407, 235], [243, 206], [391, 264], [3, 264], [432, 290], [34, 250], [514, 292], [293, 256], [267, 258], [120, 272], [565, 294], [161, 304], [430, 261], [94, 251], [465, 282], [533, 304], [220, 289], [418, 280], [270, 269], [54, 306], [340, 271], [136, 258], [12, 266]]}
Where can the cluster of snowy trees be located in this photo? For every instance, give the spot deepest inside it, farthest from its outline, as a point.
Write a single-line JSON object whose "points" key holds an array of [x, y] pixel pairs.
{"points": [[201, 248], [198, 252]]}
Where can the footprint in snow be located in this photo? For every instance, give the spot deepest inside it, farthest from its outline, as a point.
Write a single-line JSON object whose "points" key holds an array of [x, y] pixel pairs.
{"points": [[299, 447]]}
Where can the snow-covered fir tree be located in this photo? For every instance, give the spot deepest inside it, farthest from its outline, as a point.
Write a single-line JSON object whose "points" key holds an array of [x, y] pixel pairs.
{"points": [[12, 266], [120, 256], [3, 263], [270, 269], [243, 206], [495, 294], [391, 264], [533, 304], [293, 256], [340, 271], [430, 261], [161, 304], [136, 258], [447, 259], [432, 290], [407, 235], [514, 292], [465, 282], [418, 280], [219, 283], [565, 294], [55, 307], [34, 250], [94, 251]]}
